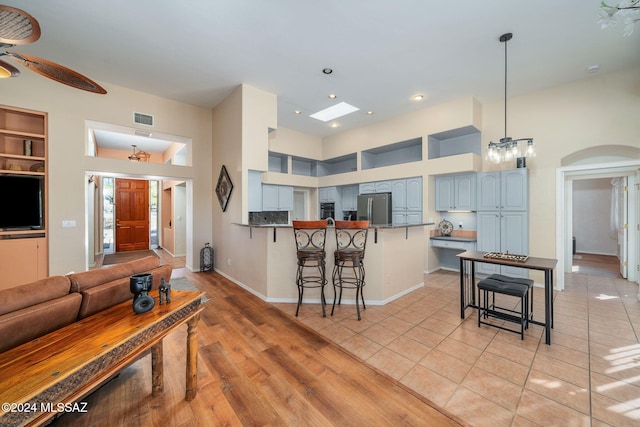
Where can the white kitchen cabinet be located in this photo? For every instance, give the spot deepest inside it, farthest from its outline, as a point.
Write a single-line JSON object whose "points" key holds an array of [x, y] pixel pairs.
{"points": [[277, 197], [327, 194], [350, 198], [367, 188], [383, 186], [456, 192], [376, 187], [503, 190], [503, 218], [406, 201]]}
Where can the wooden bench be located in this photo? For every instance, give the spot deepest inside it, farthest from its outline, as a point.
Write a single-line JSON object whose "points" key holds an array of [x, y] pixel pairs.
{"points": [[42, 376]]}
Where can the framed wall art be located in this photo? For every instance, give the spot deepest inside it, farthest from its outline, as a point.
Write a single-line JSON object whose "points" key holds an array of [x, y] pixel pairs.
{"points": [[223, 188]]}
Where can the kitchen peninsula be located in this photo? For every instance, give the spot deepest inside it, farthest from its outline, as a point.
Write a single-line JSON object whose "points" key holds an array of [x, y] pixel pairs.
{"points": [[394, 262]]}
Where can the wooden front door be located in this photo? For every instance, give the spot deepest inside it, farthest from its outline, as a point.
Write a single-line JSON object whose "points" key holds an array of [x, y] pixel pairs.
{"points": [[132, 215]]}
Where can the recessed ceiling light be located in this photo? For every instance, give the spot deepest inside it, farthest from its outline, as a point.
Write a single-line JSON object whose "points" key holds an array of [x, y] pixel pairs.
{"points": [[332, 96], [335, 125], [298, 112], [592, 68], [418, 97], [327, 70], [335, 111], [370, 113]]}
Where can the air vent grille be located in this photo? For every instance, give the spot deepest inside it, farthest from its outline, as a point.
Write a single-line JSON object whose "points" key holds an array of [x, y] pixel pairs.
{"points": [[143, 119]]}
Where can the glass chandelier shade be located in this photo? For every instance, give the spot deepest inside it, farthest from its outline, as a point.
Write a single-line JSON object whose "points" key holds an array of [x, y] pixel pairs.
{"points": [[508, 149]]}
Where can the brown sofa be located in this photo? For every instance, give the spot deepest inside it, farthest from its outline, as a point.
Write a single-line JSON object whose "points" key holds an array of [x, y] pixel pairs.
{"points": [[34, 309]]}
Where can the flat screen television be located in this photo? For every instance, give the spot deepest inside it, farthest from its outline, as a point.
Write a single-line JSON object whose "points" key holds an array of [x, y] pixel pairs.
{"points": [[22, 199]]}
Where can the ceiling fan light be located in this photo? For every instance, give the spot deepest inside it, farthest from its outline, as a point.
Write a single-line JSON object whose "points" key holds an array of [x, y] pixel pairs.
{"points": [[8, 70]]}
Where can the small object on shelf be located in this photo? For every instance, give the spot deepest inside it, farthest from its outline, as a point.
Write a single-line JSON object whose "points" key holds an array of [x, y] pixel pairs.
{"points": [[445, 227], [27, 147], [506, 256], [15, 167], [37, 167]]}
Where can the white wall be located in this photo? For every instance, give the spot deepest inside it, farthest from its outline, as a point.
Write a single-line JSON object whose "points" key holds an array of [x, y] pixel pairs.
{"points": [[591, 216], [68, 109]]}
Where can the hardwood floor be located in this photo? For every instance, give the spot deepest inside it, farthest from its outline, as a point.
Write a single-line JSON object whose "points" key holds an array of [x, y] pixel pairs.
{"points": [[257, 366], [599, 265]]}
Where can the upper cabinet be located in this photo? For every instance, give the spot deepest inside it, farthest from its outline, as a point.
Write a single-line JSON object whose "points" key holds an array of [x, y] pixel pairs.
{"points": [[327, 194], [456, 192], [350, 198], [277, 197], [503, 190]]}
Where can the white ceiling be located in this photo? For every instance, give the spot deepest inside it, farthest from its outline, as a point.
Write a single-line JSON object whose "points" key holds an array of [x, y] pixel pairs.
{"points": [[382, 52]]}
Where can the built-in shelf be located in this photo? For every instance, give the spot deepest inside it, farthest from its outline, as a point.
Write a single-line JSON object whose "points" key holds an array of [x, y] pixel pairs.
{"points": [[393, 154], [342, 164], [453, 142], [278, 162]]}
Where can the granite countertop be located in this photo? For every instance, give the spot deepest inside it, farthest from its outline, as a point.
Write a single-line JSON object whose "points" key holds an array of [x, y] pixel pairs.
{"points": [[380, 226], [454, 238]]}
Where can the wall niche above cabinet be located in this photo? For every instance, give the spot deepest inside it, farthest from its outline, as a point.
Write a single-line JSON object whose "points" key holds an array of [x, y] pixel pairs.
{"points": [[393, 154], [278, 162], [342, 164], [456, 141]]}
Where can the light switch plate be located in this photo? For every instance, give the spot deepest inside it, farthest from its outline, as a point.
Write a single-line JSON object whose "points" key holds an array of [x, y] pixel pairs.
{"points": [[69, 223]]}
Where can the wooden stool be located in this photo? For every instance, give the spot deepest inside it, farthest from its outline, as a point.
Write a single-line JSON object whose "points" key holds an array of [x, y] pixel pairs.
{"points": [[486, 310], [310, 238], [351, 239]]}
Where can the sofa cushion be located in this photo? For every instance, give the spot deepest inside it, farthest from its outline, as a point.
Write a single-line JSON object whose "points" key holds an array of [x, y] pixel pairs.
{"points": [[33, 293], [26, 324], [105, 295], [91, 278]]}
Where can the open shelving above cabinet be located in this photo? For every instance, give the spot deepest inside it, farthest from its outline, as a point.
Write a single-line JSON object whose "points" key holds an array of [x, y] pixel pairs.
{"points": [[456, 141], [393, 154], [278, 162], [23, 148], [342, 164]]}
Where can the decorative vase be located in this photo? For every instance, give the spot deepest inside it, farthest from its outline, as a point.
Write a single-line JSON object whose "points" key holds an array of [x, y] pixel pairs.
{"points": [[140, 285]]}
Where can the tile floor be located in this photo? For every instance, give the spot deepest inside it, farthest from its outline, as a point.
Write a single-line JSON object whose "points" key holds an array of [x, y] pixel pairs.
{"points": [[589, 376]]}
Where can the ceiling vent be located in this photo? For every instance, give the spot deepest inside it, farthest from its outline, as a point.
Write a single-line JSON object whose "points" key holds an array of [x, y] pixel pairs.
{"points": [[143, 119]]}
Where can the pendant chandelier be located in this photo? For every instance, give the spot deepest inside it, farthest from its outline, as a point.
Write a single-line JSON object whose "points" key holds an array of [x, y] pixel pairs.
{"points": [[139, 156], [508, 149]]}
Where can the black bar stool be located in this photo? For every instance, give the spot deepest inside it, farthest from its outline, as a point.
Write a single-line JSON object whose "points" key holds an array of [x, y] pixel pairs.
{"points": [[310, 239], [351, 239], [488, 309]]}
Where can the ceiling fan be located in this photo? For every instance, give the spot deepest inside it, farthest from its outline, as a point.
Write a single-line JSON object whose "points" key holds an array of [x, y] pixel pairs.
{"points": [[19, 27]]}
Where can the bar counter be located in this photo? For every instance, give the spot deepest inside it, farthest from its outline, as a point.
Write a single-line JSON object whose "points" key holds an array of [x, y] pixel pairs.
{"points": [[394, 262]]}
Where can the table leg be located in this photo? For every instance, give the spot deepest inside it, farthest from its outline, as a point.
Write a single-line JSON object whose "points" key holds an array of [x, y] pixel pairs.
{"points": [[157, 366], [192, 357], [548, 305], [462, 289]]}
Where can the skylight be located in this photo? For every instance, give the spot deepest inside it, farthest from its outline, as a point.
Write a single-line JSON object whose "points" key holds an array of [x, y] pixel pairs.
{"points": [[335, 111]]}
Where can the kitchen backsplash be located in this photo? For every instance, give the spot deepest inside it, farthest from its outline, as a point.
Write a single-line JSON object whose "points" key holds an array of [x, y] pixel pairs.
{"points": [[268, 217]]}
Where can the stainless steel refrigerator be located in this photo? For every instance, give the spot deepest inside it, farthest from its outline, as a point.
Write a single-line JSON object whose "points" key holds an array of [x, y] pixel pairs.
{"points": [[375, 207]]}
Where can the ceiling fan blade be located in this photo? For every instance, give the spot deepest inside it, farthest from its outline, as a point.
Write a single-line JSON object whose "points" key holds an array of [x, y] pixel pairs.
{"points": [[57, 72], [17, 26], [8, 70]]}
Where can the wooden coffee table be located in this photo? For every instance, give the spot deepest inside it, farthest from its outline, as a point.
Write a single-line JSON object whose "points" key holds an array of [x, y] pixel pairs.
{"points": [[48, 376]]}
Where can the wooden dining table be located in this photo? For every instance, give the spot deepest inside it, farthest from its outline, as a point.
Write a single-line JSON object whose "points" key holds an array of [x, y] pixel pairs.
{"points": [[468, 282]]}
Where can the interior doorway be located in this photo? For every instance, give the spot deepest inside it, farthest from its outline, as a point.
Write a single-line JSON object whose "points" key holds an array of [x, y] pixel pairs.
{"points": [[564, 213]]}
